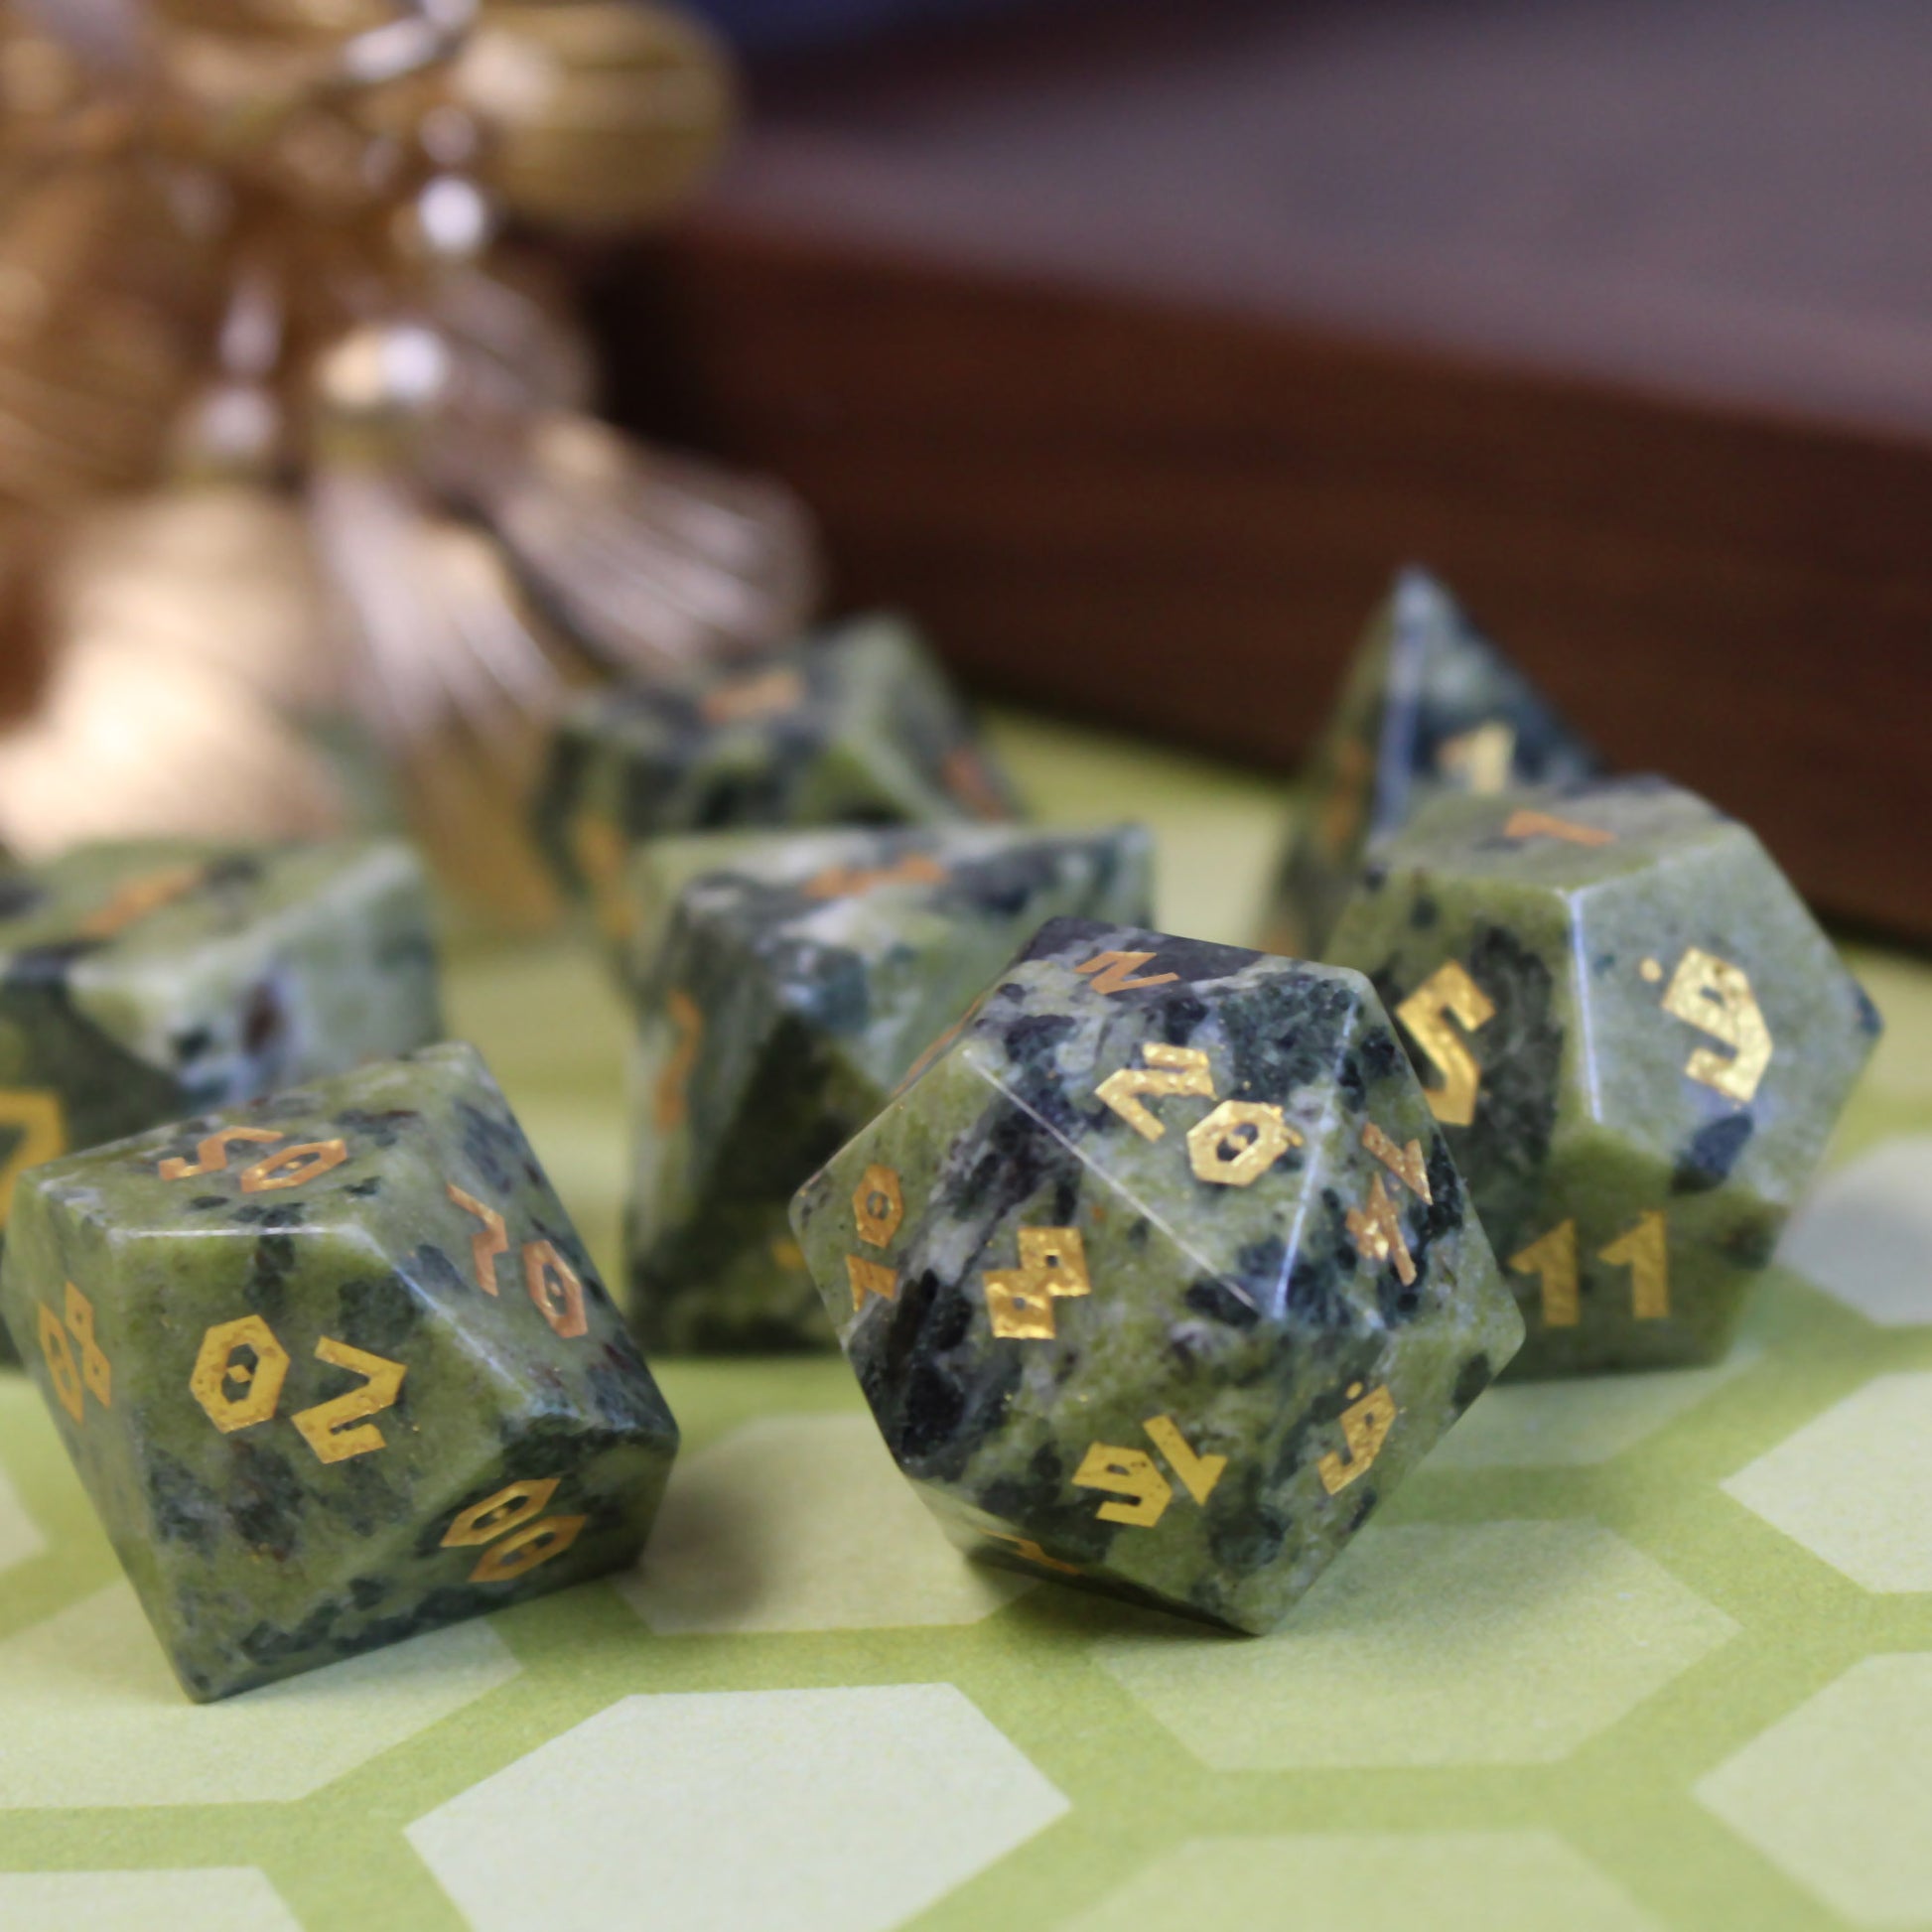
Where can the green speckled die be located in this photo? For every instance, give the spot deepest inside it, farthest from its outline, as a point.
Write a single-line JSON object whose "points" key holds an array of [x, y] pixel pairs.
{"points": [[785, 986], [335, 1369], [142, 982], [1161, 1276], [1637, 1040], [1431, 706], [859, 727]]}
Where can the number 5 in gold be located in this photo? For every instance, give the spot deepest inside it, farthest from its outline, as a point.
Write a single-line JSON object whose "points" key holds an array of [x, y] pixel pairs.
{"points": [[1448, 993], [1715, 997]]}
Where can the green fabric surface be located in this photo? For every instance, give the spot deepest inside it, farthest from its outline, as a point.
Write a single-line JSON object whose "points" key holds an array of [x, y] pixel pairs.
{"points": [[1650, 1652]]}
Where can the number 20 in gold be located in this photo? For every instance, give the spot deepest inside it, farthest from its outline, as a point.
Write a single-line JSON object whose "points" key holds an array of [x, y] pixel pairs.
{"points": [[1644, 1249]]}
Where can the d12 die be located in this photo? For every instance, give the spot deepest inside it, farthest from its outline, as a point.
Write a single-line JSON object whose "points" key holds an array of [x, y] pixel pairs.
{"points": [[142, 982], [335, 1369], [1636, 1040], [1162, 1276], [1431, 706], [786, 985], [861, 728]]}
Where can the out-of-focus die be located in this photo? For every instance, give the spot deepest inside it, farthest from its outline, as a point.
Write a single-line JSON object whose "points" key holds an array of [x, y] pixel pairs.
{"points": [[1161, 1276], [335, 1369], [1637, 1039], [785, 986], [142, 982], [1429, 706], [861, 728]]}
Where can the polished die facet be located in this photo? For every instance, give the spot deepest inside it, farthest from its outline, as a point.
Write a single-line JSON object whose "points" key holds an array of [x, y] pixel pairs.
{"points": [[142, 982], [860, 728], [1161, 1276], [785, 985], [1430, 707], [1637, 1041], [335, 1369]]}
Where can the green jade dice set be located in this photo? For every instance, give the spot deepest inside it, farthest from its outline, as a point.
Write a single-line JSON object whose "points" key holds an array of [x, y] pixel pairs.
{"points": [[859, 726], [1430, 707], [145, 981], [783, 987], [335, 1369], [1160, 1274], [1636, 1041]]}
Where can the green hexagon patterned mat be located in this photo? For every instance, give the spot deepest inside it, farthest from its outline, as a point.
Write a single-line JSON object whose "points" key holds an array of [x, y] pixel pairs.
{"points": [[1644, 1653]]}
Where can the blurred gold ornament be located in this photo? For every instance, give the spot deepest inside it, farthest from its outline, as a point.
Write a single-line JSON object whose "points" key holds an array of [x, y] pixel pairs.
{"points": [[250, 272]]}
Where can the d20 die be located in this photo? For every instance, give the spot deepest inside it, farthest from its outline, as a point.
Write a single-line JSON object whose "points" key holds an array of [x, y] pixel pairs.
{"points": [[785, 986], [1429, 706], [1636, 1040], [335, 1369], [861, 728], [142, 982], [1161, 1276]]}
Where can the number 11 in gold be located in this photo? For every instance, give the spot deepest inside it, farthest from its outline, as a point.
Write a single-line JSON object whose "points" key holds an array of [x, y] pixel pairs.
{"points": [[1643, 1249]]}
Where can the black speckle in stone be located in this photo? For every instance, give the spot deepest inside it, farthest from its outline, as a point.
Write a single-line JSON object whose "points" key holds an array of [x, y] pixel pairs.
{"points": [[1033, 1035], [206, 1203], [379, 1312], [191, 1044], [1475, 1376], [383, 1130], [18, 895], [1871, 1020], [266, 1290], [1712, 1153], [1380, 1054], [181, 1509], [1752, 1243], [366, 1190], [366, 1593], [264, 1021], [1424, 912], [1364, 1506], [1374, 878], [1181, 1017], [432, 1269], [291, 1214], [265, 1500], [1219, 1302]]}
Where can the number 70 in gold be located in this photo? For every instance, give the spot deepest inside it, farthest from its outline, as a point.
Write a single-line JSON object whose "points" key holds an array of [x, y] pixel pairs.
{"points": [[1643, 1249]]}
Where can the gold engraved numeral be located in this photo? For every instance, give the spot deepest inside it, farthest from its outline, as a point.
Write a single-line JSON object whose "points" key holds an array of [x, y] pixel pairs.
{"points": [[939, 1046], [236, 1394], [1405, 1163], [1239, 1142], [602, 855], [211, 1156], [337, 1430], [1133, 1474], [1541, 825], [1365, 1427], [1376, 1230], [1481, 758], [293, 1166], [963, 772], [485, 1245], [1020, 1300], [1112, 972], [1448, 993], [135, 898], [878, 1205], [1715, 997], [75, 1380], [870, 1277], [1024, 1545], [1645, 1251], [555, 1288], [763, 694], [1169, 1070], [1340, 816], [43, 1137], [512, 1523], [1552, 1257], [671, 1103], [846, 882]]}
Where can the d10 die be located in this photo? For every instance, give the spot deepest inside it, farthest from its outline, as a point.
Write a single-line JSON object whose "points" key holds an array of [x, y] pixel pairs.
{"points": [[1161, 1276], [1636, 1040], [333, 1368], [785, 986], [861, 728], [1429, 706], [142, 982]]}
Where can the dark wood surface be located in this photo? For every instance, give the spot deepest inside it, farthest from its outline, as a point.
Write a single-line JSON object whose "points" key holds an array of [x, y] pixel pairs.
{"points": [[1162, 488]]}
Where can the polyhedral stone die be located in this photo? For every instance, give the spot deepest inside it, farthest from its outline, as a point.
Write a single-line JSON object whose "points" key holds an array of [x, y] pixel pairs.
{"points": [[1431, 706], [142, 982], [785, 985], [1636, 1040], [1161, 1276], [335, 1369], [861, 728]]}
